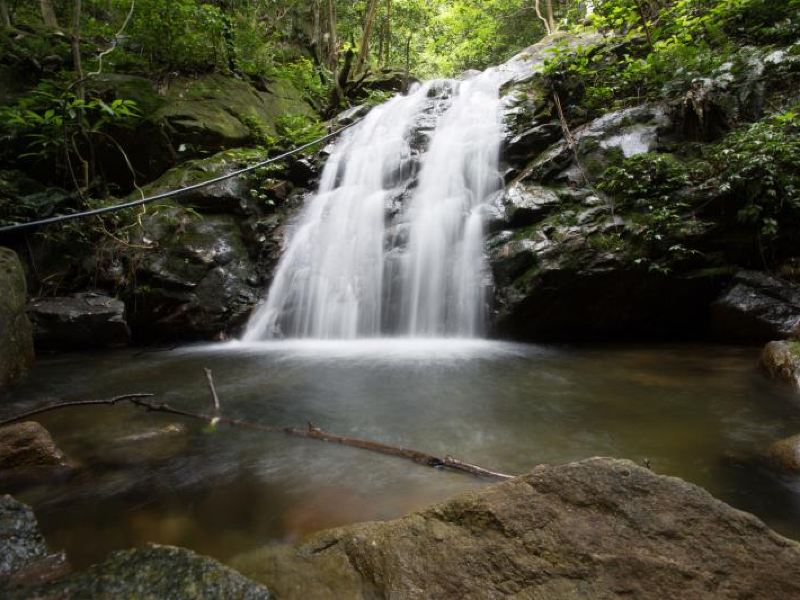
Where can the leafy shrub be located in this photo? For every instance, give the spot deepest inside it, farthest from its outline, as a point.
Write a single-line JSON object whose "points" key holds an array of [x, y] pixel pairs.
{"points": [[645, 180], [759, 167]]}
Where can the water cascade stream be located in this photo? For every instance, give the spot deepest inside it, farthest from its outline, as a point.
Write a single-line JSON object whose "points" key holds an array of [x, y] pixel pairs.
{"points": [[392, 241]]}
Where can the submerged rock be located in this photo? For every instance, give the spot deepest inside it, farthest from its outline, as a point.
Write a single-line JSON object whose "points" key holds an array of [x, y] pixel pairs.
{"points": [[598, 528], [154, 572], [16, 339], [28, 444], [784, 455], [757, 308], [782, 361], [85, 320]]}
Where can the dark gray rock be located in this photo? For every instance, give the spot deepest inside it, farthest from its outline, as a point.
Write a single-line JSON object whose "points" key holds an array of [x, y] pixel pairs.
{"points": [[84, 320], [600, 528], [151, 573], [16, 338], [24, 556], [757, 308], [196, 280], [346, 117]]}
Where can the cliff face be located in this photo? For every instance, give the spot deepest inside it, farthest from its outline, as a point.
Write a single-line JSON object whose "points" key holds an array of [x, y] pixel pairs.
{"points": [[635, 223]]}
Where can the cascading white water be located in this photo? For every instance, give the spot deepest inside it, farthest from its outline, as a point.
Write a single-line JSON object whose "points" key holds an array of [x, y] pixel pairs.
{"points": [[392, 242]]}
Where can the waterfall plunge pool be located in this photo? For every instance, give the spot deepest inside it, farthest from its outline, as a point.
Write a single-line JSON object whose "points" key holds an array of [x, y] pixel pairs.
{"points": [[688, 409]]}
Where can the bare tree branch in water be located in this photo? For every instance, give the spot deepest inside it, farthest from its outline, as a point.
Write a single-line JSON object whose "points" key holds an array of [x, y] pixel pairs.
{"points": [[310, 432]]}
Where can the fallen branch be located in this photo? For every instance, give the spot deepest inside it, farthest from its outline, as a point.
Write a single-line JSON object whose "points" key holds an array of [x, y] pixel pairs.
{"points": [[310, 432]]}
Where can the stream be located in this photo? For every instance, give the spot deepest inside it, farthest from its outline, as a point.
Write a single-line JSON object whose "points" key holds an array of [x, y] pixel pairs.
{"points": [[690, 410]]}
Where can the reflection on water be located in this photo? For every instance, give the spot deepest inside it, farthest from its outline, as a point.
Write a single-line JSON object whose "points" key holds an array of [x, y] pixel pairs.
{"points": [[151, 477]]}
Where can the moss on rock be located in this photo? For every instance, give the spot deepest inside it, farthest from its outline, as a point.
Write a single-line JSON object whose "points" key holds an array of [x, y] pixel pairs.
{"points": [[16, 333]]}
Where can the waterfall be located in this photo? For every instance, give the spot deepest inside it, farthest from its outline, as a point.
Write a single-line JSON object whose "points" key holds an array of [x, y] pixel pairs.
{"points": [[392, 241]]}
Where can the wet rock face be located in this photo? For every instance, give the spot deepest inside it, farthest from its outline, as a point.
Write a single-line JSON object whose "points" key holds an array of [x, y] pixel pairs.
{"points": [[198, 263], [16, 339], [599, 528], [757, 308], [85, 320], [196, 281]]}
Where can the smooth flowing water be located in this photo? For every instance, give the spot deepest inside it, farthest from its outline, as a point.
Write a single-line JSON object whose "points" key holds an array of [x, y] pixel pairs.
{"points": [[392, 242], [689, 410]]}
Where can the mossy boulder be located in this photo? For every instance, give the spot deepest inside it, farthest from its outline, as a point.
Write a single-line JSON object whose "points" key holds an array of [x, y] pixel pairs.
{"points": [[215, 111], [187, 117], [16, 333], [151, 573], [599, 528]]}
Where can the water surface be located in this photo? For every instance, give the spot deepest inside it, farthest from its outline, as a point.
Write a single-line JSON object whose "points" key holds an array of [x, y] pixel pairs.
{"points": [[689, 411]]}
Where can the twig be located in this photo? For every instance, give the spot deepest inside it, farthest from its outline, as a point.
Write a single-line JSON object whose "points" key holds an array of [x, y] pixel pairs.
{"points": [[310, 432], [211, 387]]}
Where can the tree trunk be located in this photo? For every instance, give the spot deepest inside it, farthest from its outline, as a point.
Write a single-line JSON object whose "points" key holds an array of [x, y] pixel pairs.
{"points": [[75, 43], [387, 50], [80, 88], [316, 33], [49, 13], [363, 51], [5, 16], [333, 44], [550, 16]]}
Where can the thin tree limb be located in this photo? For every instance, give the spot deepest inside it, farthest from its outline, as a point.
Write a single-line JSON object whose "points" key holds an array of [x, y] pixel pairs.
{"points": [[309, 432], [60, 405]]}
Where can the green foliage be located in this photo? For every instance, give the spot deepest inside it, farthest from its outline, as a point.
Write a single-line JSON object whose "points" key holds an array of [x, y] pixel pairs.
{"points": [[645, 180], [648, 185], [375, 97], [51, 117], [296, 130], [180, 34], [759, 167], [688, 39], [304, 76]]}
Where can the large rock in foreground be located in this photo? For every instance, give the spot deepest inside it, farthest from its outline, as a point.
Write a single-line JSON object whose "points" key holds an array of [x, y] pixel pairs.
{"points": [[16, 339], [152, 573], [599, 528]]}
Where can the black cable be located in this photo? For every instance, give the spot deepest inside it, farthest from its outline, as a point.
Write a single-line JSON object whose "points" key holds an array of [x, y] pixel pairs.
{"points": [[162, 195]]}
